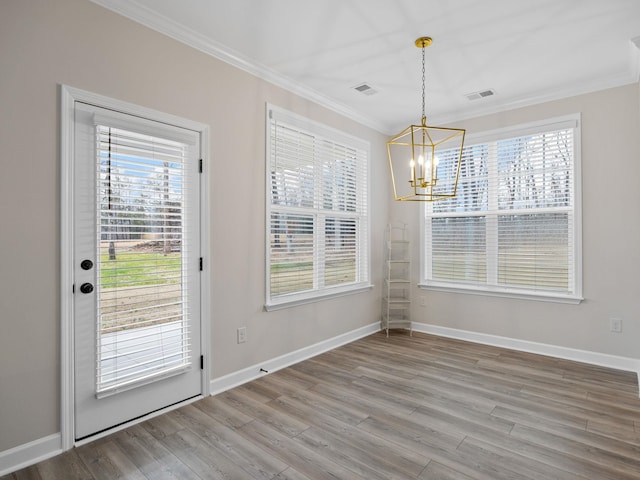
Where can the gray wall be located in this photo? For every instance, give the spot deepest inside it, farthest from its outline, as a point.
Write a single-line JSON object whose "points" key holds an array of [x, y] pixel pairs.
{"points": [[75, 42], [611, 238]]}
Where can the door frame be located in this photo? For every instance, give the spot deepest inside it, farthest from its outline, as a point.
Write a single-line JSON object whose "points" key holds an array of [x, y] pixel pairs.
{"points": [[68, 96]]}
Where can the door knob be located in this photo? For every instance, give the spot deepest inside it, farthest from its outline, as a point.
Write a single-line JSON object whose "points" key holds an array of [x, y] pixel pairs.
{"points": [[86, 288], [86, 264]]}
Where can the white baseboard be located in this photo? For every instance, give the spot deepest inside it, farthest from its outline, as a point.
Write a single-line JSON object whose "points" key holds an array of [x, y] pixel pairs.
{"points": [[226, 382], [30, 453], [47, 447], [584, 356], [33, 452]]}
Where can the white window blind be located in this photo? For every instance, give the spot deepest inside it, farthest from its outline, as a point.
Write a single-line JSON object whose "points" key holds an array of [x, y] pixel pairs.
{"points": [[143, 242], [514, 225], [317, 210]]}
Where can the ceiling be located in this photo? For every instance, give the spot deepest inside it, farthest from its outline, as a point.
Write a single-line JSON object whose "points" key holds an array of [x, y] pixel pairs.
{"points": [[527, 52]]}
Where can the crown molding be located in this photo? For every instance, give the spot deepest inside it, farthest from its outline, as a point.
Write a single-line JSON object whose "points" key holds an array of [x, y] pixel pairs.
{"points": [[540, 97], [588, 86], [169, 27], [166, 26]]}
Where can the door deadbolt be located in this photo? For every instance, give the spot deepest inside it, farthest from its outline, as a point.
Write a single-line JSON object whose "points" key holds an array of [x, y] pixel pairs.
{"points": [[86, 288], [86, 264]]}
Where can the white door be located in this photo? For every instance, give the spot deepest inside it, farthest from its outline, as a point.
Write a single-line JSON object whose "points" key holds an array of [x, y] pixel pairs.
{"points": [[136, 267]]}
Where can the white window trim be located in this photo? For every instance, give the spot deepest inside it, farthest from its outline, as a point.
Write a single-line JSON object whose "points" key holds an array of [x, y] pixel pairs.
{"points": [[567, 121], [295, 299]]}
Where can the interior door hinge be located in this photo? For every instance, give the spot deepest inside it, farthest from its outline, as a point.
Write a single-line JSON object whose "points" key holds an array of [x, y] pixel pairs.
{"points": [[200, 166], [200, 263], [201, 362]]}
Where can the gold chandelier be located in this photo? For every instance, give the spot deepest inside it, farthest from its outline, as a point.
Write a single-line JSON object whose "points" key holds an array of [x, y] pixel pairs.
{"points": [[424, 160]]}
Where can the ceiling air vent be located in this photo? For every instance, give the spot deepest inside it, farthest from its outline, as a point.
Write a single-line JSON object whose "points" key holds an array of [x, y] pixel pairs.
{"points": [[365, 89], [482, 94]]}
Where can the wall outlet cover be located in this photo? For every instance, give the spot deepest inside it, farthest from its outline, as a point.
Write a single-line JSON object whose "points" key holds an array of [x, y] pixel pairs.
{"points": [[242, 334]]}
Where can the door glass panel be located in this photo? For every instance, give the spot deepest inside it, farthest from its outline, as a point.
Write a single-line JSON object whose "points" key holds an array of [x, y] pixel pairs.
{"points": [[143, 327]]}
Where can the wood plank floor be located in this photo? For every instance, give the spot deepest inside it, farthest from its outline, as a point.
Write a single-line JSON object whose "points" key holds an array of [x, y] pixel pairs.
{"points": [[420, 407]]}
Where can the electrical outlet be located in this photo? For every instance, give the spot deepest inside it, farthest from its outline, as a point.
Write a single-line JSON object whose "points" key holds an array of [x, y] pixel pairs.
{"points": [[242, 334], [615, 325], [423, 301]]}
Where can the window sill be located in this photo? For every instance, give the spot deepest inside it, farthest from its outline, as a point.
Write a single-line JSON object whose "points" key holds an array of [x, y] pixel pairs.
{"points": [[302, 300], [539, 296]]}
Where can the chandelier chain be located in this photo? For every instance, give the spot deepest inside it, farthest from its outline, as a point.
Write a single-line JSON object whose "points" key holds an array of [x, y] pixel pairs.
{"points": [[424, 115]]}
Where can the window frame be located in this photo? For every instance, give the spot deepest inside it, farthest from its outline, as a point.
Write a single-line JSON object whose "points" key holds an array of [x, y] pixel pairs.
{"points": [[363, 236], [572, 121]]}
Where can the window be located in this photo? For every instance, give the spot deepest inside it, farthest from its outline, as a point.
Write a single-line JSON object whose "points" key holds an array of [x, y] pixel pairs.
{"points": [[514, 226], [317, 211]]}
